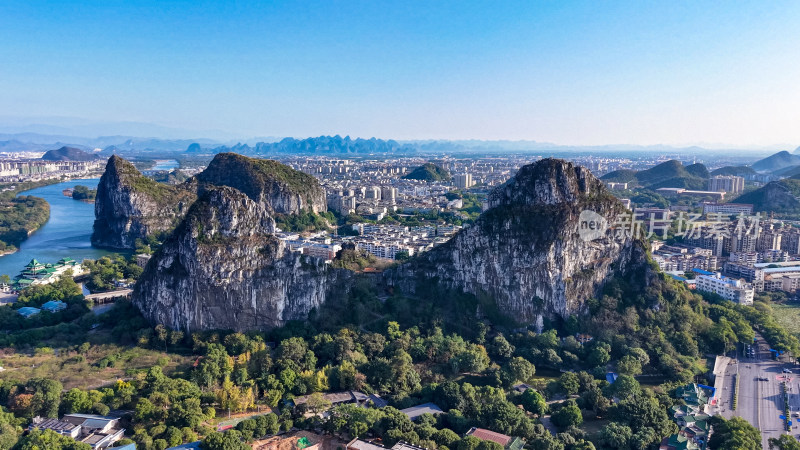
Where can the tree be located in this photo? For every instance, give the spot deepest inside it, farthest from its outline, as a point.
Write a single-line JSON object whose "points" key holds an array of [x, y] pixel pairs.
{"points": [[230, 440], [629, 365], [187, 413], [569, 383], [521, 369], [625, 387], [735, 433], [501, 347], [784, 442], [568, 415], [46, 397], [599, 355], [215, 364], [533, 402], [468, 443], [616, 435], [75, 401], [445, 437], [317, 403], [489, 445], [50, 440], [643, 438]]}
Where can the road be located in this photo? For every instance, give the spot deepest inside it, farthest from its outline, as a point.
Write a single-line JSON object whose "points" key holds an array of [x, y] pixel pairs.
{"points": [[760, 401]]}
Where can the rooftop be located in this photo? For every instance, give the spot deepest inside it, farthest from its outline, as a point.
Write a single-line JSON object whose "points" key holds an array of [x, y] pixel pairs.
{"points": [[416, 411]]}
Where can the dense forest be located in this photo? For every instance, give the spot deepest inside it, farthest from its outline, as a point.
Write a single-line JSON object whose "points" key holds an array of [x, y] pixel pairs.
{"points": [[436, 347], [18, 217]]}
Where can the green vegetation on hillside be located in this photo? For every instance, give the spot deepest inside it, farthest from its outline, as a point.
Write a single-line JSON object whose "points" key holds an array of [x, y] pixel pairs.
{"points": [[734, 170], [68, 154], [108, 269], [781, 197], [428, 172], [777, 161], [432, 347], [667, 174], [169, 177], [305, 221], [253, 176], [20, 216]]}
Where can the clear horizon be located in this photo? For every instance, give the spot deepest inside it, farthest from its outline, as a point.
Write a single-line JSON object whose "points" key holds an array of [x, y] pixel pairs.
{"points": [[574, 74]]}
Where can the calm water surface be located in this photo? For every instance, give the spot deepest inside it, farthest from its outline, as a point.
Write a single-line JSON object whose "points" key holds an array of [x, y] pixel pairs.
{"points": [[66, 235]]}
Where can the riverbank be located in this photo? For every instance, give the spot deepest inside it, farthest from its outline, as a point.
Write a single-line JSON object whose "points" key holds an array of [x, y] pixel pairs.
{"points": [[66, 234]]}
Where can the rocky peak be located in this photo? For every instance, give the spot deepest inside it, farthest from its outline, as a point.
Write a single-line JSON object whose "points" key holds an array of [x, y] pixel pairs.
{"points": [[547, 182], [224, 212], [130, 206], [223, 269], [275, 186], [527, 253]]}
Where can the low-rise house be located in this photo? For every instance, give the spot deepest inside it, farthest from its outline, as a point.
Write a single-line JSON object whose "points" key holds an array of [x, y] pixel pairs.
{"points": [[28, 311], [54, 306], [508, 442], [691, 418], [100, 432], [358, 444], [407, 446], [678, 442], [345, 397], [414, 412], [522, 387]]}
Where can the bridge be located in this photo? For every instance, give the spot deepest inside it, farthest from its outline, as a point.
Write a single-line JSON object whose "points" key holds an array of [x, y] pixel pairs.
{"points": [[103, 297]]}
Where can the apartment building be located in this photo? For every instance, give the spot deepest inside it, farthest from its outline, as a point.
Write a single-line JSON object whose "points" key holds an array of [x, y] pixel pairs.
{"points": [[728, 288]]}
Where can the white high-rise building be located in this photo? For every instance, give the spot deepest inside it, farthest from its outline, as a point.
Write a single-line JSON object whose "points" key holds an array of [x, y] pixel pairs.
{"points": [[734, 290], [726, 183], [463, 181]]}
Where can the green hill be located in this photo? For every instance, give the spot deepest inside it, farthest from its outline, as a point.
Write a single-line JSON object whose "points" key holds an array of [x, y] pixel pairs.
{"points": [[620, 176], [777, 161], [667, 174], [698, 170], [778, 196], [428, 172], [69, 154], [738, 171]]}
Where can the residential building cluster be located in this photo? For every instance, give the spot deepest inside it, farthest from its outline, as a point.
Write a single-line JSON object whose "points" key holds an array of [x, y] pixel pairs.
{"points": [[12, 170], [692, 418]]}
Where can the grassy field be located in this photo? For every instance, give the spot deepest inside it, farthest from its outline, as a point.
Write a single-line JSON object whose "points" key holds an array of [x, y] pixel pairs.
{"points": [[788, 315], [75, 369]]}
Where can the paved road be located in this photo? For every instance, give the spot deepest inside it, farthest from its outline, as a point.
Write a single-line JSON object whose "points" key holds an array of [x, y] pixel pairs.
{"points": [[760, 401]]}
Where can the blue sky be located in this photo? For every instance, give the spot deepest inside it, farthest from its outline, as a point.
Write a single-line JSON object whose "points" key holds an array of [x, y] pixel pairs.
{"points": [[589, 72]]}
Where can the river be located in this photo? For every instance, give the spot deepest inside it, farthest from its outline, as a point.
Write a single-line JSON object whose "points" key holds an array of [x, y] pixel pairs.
{"points": [[163, 164], [66, 234]]}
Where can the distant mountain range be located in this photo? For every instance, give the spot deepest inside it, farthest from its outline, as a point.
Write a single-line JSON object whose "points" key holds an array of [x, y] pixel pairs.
{"points": [[318, 145], [780, 160]]}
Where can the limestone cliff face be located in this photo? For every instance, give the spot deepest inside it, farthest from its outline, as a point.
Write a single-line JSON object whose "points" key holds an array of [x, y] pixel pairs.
{"points": [[527, 252], [274, 186], [130, 206], [223, 269]]}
